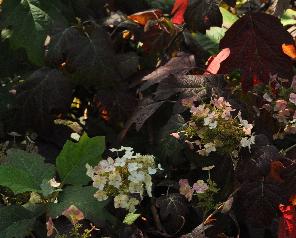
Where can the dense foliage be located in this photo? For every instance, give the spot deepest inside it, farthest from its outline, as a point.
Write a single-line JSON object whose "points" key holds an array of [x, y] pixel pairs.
{"points": [[147, 118]]}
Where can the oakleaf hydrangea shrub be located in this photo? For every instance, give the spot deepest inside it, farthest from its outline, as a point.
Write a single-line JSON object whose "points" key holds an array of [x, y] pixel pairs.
{"points": [[124, 178], [212, 127]]}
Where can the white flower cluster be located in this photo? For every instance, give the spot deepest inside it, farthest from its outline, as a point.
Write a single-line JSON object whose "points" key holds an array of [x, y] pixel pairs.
{"points": [[123, 177], [215, 116]]}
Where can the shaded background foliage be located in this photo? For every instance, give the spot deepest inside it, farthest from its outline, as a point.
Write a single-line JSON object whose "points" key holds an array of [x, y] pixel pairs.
{"points": [[131, 78]]}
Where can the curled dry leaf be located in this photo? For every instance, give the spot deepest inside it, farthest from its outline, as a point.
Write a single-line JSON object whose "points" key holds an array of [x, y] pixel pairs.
{"points": [[73, 214], [290, 50], [143, 17], [182, 63], [50, 227], [215, 63]]}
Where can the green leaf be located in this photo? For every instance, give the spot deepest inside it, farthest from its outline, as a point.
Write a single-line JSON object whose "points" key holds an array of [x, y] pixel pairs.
{"points": [[228, 18], [215, 34], [17, 180], [289, 17], [24, 171], [74, 156], [47, 189], [210, 41], [15, 222], [83, 199], [206, 43], [130, 218], [32, 164], [29, 21]]}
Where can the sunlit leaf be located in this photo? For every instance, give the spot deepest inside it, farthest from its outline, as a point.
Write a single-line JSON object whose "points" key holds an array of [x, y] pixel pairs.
{"points": [[74, 156], [29, 22]]}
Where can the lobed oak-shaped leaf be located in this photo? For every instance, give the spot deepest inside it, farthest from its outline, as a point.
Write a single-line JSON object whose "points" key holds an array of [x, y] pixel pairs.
{"points": [[29, 21], [257, 202], [45, 93], [257, 164], [182, 63], [24, 172], [32, 164], [71, 161], [255, 42], [85, 52], [17, 180], [202, 14]]}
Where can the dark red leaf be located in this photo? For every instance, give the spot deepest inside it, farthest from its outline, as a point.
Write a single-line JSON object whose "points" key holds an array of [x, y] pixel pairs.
{"points": [[289, 176], [178, 11], [258, 202], [255, 43]]}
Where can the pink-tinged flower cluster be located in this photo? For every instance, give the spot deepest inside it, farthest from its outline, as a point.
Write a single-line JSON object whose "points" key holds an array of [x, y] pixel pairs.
{"points": [[215, 116], [283, 109], [186, 190]]}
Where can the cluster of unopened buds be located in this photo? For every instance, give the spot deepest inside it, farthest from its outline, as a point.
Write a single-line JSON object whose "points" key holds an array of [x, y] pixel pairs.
{"points": [[124, 178], [217, 117], [283, 110]]}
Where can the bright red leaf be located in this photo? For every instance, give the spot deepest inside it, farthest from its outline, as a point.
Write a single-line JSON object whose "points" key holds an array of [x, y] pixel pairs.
{"points": [[178, 11], [287, 226]]}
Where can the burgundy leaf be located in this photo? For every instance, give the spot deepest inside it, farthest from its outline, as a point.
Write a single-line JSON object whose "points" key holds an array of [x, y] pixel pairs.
{"points": [[255, 43]]}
